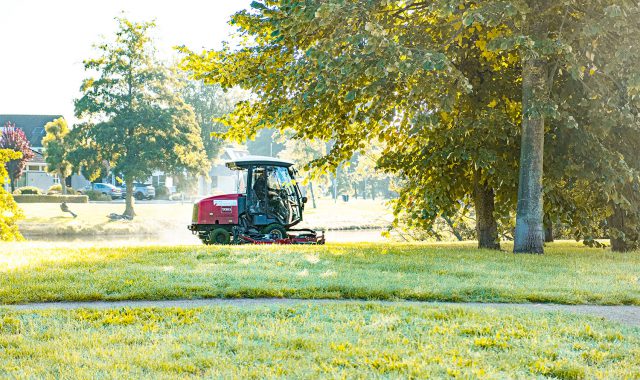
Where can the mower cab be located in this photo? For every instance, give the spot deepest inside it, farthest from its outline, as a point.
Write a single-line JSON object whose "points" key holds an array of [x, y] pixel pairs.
{"points": [[268, 203]]}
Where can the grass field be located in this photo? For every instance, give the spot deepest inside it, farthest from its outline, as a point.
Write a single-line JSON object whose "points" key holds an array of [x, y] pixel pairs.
{"points": [[164, 218], [568, 273], [340, 341]]}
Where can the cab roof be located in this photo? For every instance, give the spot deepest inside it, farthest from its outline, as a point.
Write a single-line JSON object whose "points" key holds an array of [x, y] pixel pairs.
{"points": [[247, 161]]}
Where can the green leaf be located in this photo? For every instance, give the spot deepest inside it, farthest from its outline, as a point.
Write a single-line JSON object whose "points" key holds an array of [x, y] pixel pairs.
{"points": [[468, 19], [257, 5], [428, 65], [351, 96]]}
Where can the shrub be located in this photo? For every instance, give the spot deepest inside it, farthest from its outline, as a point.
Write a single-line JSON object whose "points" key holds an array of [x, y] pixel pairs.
{"points": [[177, 197], [26, 190], [162, 192], [51, 198], [57, 189], [10, 213], [97, 196]]}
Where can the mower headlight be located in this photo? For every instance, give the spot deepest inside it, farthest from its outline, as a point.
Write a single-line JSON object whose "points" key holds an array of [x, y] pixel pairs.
{"points": [[196, 211]]}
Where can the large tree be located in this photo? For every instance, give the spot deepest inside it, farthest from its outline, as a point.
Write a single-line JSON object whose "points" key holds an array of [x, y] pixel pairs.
{"points": [[57, 146], [356, 72], [557, 41], [350, 71], [13, 138], [138, 118]]}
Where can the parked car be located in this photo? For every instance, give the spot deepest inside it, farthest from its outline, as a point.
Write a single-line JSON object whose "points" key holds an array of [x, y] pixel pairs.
{"points": [[140, 191], [104, 188]]}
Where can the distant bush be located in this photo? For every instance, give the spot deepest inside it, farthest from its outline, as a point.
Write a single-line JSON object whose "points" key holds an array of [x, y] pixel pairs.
{"points": [[51, 198], [162, 192], [57, 189], [177, 197], [97, 196], [27, 190]]}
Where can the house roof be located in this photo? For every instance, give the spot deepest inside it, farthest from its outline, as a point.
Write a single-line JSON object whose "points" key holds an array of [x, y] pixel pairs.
{"points": [[31, 125], [231, 153]]}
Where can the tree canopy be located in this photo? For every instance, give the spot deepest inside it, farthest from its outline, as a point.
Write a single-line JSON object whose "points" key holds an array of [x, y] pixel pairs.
{"points": [[14, 139], [461, 94], [56, 150], [134, 112]]}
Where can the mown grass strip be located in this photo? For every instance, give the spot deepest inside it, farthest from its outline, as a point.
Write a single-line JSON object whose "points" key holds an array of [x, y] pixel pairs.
{"points": [[347, 340], [567, 274]]}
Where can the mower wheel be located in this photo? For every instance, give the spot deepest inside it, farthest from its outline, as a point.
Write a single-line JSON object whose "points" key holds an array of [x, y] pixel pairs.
{"points": [[276, 230], [219, 236]]}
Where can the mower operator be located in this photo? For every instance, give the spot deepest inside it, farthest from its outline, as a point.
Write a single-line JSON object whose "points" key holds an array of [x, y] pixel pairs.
{"points": [[268, 197]]}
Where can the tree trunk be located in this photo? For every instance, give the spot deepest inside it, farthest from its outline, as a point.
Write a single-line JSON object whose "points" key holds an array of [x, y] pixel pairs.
{"points": [[486, 225], [529, 233], [313, 196], [334, 185], [128, 211], [12, 183], [548, 229], [623, 236], [63, 183]]}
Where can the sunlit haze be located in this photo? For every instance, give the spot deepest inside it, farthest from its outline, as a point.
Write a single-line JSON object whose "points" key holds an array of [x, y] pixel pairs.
{"points": [[43, 43]]}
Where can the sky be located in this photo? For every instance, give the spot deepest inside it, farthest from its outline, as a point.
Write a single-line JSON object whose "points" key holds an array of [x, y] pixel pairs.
{"points": [[43, 43]]}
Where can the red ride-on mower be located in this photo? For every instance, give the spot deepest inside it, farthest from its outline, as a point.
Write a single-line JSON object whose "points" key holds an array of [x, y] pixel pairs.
{"points": [[267, 205]]}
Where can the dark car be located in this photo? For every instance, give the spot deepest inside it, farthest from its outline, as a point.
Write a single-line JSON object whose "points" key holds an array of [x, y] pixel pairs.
{"points": [[140, 191]]}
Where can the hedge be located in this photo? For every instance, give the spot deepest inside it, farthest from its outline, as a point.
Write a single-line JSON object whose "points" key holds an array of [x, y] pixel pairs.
{"points": [[51, 198], [57, 189], [26, 190]]}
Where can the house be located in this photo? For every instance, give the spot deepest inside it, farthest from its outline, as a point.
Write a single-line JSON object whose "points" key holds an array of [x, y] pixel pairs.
{"points": [[222, 180], [35, 173]]}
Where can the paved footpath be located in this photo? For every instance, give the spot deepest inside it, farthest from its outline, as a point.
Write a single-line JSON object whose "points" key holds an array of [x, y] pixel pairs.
{"points": [[629, 315]]}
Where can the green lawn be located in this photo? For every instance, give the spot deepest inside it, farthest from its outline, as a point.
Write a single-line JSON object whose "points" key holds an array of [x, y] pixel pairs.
{"points": [[46, 219], [335, 341], [568, 273]]}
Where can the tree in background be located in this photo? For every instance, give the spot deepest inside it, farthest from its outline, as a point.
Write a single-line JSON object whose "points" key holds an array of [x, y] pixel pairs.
{"points": [[266, 142], [85, 156], [14, 139], [56, 150], [136, 114], [210, 103], [593, 171], [10, 213], [555, 40], [303, 153]]}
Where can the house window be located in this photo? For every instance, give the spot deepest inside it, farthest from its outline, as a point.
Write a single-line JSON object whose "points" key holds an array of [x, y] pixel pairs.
{"points": [[159, 180], [33, 168], [56, 179]]}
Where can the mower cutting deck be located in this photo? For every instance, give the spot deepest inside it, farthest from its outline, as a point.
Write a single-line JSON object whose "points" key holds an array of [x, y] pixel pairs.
{"points": [[267, 204], [309, 237]]}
